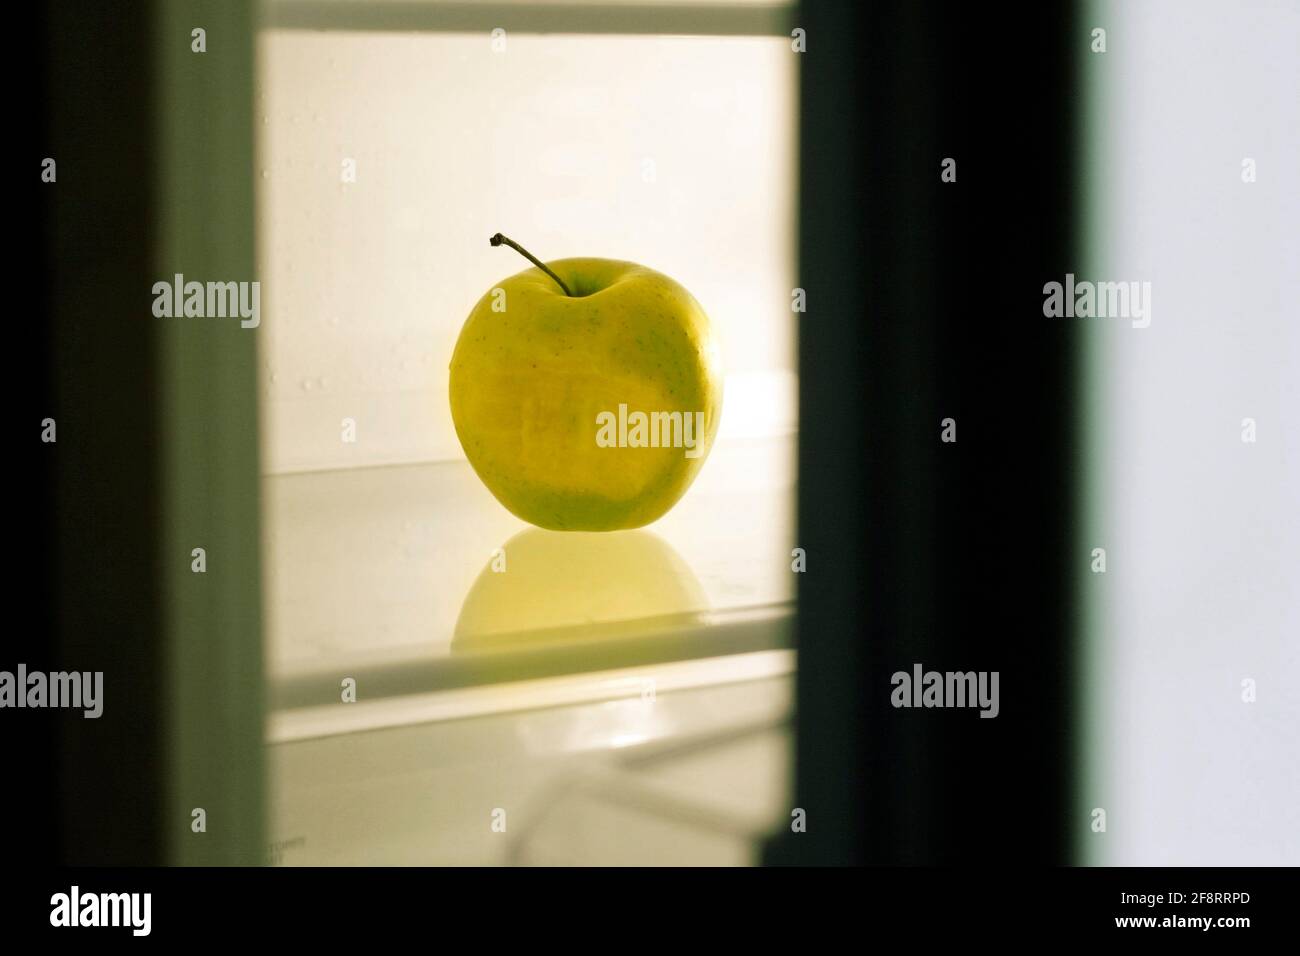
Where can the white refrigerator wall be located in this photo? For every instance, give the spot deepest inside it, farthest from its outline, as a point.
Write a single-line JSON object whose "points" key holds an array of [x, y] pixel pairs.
{"points": [[1202, 529], [675, 152]]}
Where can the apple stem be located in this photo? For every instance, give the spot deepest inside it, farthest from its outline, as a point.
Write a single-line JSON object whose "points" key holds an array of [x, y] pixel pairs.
{"points": [[498, 239]]}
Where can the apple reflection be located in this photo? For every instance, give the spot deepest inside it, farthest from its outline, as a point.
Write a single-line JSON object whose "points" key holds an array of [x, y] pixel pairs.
{"points": [[569, 586]]}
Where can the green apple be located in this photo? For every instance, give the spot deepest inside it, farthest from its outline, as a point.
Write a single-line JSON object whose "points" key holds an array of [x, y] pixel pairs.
{"points": [[586, 393]]}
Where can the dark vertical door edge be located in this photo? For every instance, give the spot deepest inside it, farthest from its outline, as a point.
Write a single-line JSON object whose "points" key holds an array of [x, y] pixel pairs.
{"points": [[924, 304]]}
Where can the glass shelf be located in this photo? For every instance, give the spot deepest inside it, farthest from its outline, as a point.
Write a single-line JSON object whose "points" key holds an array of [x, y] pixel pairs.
{"points": [[384, 575]]}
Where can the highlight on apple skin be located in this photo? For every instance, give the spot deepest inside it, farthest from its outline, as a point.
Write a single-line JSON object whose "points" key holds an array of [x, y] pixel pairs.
{"points": [[586, 396]]}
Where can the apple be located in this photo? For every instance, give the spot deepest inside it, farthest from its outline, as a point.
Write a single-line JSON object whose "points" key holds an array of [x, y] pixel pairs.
{"points": [[586, 392]]}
